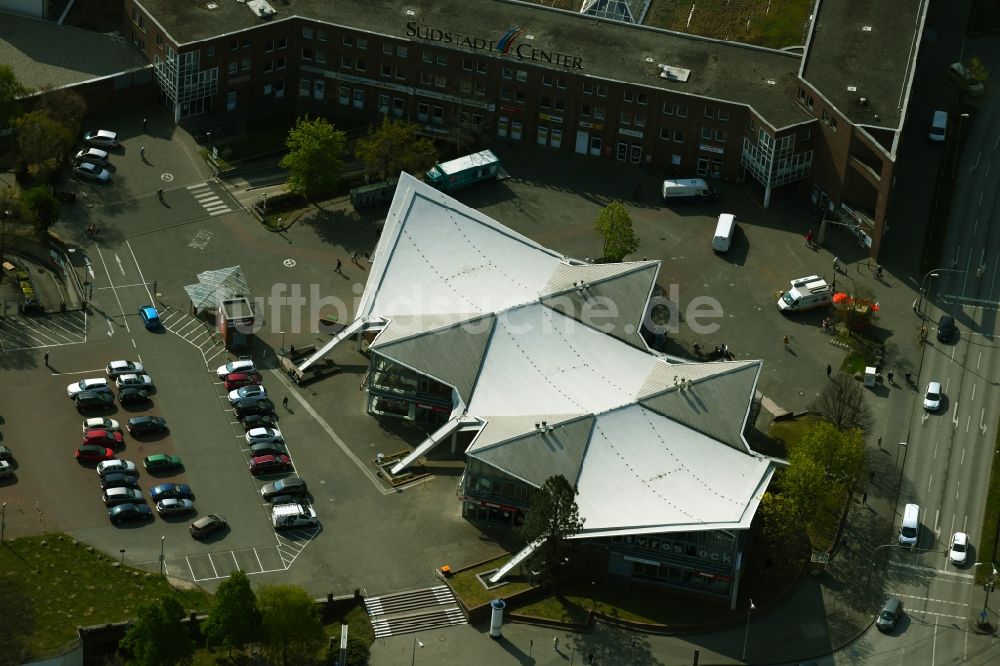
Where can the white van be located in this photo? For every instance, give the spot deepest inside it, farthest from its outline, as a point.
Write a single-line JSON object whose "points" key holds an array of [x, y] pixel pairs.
{"points": [[292, 516], [681, 190], [909, 532], [724, 232], [939, 127], [806, 293]]}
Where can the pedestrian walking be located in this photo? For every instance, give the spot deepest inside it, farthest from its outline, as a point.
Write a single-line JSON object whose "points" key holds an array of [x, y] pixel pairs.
{"points": [[915, 304], [46, 359], [785, 341], [890, 375], [154, 286], [354, 258], [555, 644], [142, 152], [864, 497], [871, 476], [284, 402], [829, 370], [880, 441], [143, 124], [809, 238], [836, 264], [908, 377], [338, 268], [590, 657]]}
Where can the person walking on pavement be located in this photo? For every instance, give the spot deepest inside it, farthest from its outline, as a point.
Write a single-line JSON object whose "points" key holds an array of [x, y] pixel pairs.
{"points": [[864, 498], [46, 359], [829, 370], [785, 341], [142, 152], [337, 269], [908, 378], [555, 644], [836, 264], [809, 238], [890, 375], [284, 402], [143, 124]]}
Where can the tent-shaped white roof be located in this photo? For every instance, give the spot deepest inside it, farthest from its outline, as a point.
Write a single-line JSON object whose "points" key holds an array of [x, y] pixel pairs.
{"points": [[216, 286], [652, 446]]}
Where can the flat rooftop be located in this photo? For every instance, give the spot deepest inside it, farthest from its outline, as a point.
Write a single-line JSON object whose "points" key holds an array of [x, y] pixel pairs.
{"points": [[865, 50], [45, 54], [763, 79]]}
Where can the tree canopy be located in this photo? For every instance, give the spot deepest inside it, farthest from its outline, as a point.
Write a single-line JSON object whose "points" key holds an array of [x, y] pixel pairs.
{"points": [[66, 107], [234, 619], [10, 90], [291, 624], [842, 403], [614, 225], [158, 637], [394, 146], [315, 156], [40, 138], [552, 518], [43, 206]]}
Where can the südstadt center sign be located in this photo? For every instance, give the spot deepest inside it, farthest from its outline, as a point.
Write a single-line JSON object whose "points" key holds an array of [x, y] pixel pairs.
{"points": [[504, 46]]}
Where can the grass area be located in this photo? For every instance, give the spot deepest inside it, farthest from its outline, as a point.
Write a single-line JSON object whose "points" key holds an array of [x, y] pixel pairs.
{"points": [[473, 593], [635, 605], [990, 529], [774, 23], [788, 433], [862, 353], [282, 218], [51, 584]]}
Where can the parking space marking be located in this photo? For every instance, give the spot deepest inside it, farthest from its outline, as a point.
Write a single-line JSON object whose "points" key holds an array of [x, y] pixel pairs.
{"points": [[195, 332], [54, 330], [206, 566]]}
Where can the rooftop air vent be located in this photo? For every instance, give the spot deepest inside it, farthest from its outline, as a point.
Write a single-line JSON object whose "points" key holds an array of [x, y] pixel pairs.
{"points": [[671, 73], [866, 28], [410, 12], [261, 8], [212, 5]]}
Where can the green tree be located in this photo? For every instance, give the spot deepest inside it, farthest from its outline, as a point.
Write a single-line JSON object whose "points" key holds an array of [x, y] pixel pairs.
{"points": [[234, 619], [552, 519], [782, 527], [291, 624], [157, 637], [10, 91], [43, 207], [393, 147], [315, 156], [40, 138], [66, 107], [614, 225]]}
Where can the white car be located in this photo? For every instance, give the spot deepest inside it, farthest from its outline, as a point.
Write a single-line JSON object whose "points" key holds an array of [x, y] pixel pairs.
{"points": [[264, 436], [95, 384], [101, 423], [959, 548], [5, 470], [123, 367], [106, 467], [254, 391], [101, 139], [140, 381], [92, 155], [932, 398], [243, 365]]}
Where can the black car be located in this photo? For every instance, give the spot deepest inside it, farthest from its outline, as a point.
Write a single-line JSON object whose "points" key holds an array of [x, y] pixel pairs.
{"points": [[248, 406], [119, 480], [206, 525], [128, 512], [268, 449], [946, 328], [140, 425], [93, 400], [259, 421], [132, 394], [6, 453]]}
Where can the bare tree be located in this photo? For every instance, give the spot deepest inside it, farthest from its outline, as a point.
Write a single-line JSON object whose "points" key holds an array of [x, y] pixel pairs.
{"points": [[842, 403]]}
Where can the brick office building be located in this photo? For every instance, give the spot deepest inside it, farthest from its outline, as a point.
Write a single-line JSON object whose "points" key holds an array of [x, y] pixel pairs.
{"points": [[827, 120]]}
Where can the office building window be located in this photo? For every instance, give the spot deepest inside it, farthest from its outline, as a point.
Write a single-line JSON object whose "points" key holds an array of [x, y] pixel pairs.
{"points": [[641, 98], [383, 104], [305, 87], [678, 136], [386, 48], [283, 43], [279, 63], [427, 57], [426, 78], [506, 73], [467, 64], [362, 43], [307, 54], [321, 35], [423, 112], [234, 67], [481, 67], [347, 62], [522, 75], [437, 114], [401, 51], [442, 60], [588, 88], [682, 111], [440, 81], [320, 57], [348, 40], [307, 32], [210, 52], [268, 46]]}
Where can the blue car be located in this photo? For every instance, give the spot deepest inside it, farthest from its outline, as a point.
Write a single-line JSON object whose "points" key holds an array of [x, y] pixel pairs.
{"points": [[171, 491], [149, 316]]}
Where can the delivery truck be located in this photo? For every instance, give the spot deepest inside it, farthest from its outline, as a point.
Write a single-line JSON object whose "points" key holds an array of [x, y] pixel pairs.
{"points": [[806, 293], [464, 171]]}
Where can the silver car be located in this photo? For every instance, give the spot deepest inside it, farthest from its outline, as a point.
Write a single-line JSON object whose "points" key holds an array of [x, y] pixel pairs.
{"points": [[92, 155], [140, 381], [173, 506], [101, 139], [92, 172]]}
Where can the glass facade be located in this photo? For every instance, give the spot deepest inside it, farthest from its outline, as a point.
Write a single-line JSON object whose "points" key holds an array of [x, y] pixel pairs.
{"points": [[397, 391], [183, 83], [774, 162]]}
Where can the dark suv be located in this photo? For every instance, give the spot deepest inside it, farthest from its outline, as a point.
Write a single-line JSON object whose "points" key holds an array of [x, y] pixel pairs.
{"points": [[87, 400], [946, 328], [248, 406]]}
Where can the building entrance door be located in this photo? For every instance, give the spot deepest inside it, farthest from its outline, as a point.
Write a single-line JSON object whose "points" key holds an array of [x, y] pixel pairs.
{"points": [[582, 139]]}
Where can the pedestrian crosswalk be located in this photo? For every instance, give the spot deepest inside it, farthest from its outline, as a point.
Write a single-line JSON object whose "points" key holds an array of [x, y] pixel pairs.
{"points": [[209, 199]]}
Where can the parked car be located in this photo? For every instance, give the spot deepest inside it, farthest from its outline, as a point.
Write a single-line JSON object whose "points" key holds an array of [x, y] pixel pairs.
{"points": [[235, 380], [889, 614], [6, 453], [932, 398], [149, 316], [171, 490], [129, 512], [121, 495], [132, 394], [161, 462], [114, 466], [93, 400], [111, 438], [268, 449], [292, 485], [95, 384], [100, 422], [101, 139], [959, 550], [6, 469], [140, 425], [120, 480], [259, 421], [142, 381], [251, 406], [206, 525], [173, 506], [243, 365], [946, 328], [93, 453], [252, 392], [92, 172], [269, 464], [259, 435], [92, 155], [116, 368]]}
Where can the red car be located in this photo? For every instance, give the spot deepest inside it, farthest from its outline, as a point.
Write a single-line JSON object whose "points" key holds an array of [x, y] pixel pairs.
{"points": [[94, 453], [102, 437], [237, 380], [269, 464]]}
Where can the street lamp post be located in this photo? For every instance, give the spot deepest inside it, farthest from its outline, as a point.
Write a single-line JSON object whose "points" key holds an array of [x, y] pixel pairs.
{"points": [[122, 551], [931, 274], [162, 539], [746, 633], [958, 149], [282, 343], [988, 587], [3, 521]]}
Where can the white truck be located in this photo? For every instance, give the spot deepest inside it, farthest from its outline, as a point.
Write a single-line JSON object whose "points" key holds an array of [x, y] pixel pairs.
{"points": [[293, 516], [688, 190], [806, 293]]}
